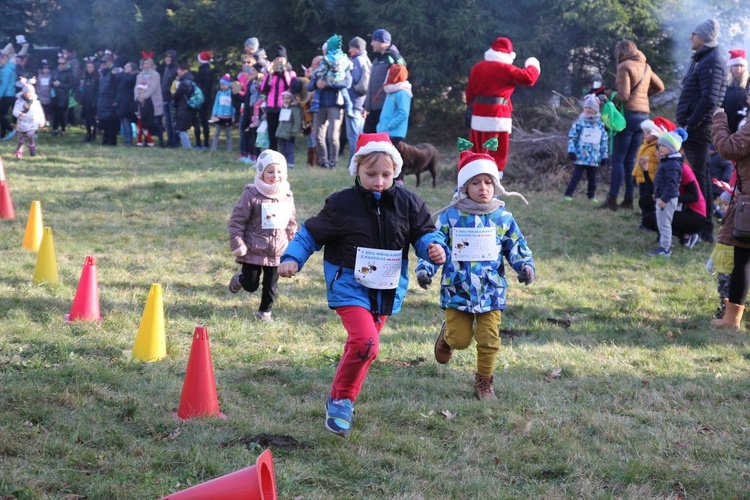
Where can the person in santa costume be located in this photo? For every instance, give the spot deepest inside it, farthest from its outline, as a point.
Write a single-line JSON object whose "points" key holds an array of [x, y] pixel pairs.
{"points": [[491, 83]]}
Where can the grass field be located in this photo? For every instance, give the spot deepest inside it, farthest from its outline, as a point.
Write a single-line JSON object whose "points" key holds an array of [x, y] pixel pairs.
{"points": [[610, 383]]}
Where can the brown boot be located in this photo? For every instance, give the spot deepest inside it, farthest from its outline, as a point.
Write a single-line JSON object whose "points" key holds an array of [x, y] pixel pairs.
{"points": [[483, 388], [443, 351], [732, 318], [310, 157]]}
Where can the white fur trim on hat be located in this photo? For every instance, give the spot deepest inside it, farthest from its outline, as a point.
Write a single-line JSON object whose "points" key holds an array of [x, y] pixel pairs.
{"points": [[493, 55], [375, 146], [269, 156], [737, 61], [477, 167], [651, 128]]}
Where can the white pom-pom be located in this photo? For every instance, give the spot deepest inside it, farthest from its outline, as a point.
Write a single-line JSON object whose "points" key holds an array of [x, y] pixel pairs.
{"points": [[532, 61]]}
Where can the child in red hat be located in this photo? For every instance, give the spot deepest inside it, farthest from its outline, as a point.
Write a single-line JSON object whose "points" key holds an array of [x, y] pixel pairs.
{"points": [[366, 231], [480, 232]]}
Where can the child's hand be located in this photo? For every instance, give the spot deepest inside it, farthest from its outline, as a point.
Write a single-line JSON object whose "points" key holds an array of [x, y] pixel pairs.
{"points": [[423, 279], [240, 251], [288, 269], [436, 253], [526, 276], [660, 203]]}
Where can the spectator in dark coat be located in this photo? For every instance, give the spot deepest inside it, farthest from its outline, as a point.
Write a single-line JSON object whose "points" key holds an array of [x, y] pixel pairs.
{"points": [[205, 80], [735, 100], [184, 114], [89, 96], [385, 54], [62, 84], [168, 76], [125, 84], [106, 112], [703, 88]]}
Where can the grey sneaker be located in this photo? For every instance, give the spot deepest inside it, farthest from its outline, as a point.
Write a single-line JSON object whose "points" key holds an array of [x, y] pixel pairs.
{"points": [[234, 284], [263, 316]]}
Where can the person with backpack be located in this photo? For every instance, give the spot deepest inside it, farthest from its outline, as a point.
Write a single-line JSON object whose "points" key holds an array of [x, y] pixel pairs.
{"points": [[204, 78], [184, 113], [385, 55], [635, 83]]}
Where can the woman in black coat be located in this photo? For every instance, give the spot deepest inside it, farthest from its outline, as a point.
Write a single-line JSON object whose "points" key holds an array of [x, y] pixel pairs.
{"points": [[106, 112], [61, 83], [89, 95]]}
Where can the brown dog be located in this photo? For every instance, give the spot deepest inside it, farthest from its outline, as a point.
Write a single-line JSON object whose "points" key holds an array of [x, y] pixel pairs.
{"points": [[419, 158]]}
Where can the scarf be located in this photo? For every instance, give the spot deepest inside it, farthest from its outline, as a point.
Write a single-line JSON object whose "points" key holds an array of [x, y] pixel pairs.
{"points": [[274, 191], [390, 88]]}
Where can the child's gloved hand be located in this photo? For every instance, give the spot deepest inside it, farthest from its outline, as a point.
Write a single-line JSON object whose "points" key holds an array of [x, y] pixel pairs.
{"points": [[572, 156], [240, 251], [526, 276], [710, 266], [423, 279]]}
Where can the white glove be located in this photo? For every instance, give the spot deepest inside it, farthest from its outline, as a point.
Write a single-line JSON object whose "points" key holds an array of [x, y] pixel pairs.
{"points": [[532, 61], [240, 251], [20, 39], [710, 266]]}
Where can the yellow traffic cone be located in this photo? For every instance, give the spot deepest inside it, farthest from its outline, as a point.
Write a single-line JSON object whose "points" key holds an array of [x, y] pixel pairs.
{"points": [[33, 236], [151, 343], [46, 264]]}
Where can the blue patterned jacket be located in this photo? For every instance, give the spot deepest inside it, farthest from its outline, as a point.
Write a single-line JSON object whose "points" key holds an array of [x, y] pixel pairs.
{"points": [[588, 153], [479, 287]]}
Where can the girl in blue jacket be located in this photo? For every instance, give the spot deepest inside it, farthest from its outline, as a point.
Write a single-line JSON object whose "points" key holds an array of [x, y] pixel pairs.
{"points": [[394, 117], [366, 231], [223, 112]]}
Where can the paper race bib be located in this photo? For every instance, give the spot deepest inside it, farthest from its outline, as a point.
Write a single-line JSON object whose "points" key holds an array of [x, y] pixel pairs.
{"points": [[285, 114], [275, 215], [474, 243], [591, 136], [225, 100], [44, 81], [378, 269]]}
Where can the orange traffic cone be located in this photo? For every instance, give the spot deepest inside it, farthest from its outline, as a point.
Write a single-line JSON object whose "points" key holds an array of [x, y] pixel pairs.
{"points": [[151, 341], [199, 397], [86, 302], [251, 483], [46, 263], [6, 204], [34, 228]]}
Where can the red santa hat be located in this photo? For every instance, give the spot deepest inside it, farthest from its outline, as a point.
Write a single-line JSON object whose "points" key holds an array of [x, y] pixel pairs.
{"points": [[472, 164], [737, 58], [501, 50], [658, 127], [371, 143], [205, 57]]}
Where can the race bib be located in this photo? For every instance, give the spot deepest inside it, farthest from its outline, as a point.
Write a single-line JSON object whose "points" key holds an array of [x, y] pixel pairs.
{"points": [[225, 100], [285, 114], [378, 269], [275, 215], [591, 136], [474, 243], [44, 82]]}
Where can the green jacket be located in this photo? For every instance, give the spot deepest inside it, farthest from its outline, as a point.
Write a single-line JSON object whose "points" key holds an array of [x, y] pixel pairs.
{"points": [[289, 129]]}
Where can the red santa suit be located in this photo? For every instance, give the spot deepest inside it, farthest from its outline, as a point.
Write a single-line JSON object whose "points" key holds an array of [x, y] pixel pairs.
{"points": [[491, 83]]}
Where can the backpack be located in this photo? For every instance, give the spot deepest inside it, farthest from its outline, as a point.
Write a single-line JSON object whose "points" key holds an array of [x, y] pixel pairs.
{"points": [[612, 117], [196, 99]]}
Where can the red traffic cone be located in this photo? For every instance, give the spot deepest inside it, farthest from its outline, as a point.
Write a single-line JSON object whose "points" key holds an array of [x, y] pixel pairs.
{"points": [[86, 302], [199, 398], [6, 204], [251, 483]]}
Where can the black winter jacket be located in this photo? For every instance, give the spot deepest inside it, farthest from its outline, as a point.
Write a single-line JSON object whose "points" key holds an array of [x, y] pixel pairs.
{"points": [[168, 75], [703, 88], [62, 91]]}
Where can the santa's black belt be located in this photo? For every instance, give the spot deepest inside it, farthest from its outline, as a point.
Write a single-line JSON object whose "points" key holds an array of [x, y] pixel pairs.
{"points": [[481, 99]]}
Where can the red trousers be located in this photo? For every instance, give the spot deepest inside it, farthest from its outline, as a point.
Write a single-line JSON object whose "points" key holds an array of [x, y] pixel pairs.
{"points": [[503, 139], [360, 350]]}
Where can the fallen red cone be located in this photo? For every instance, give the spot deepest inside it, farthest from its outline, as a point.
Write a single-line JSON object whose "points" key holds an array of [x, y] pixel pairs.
{"points": [[199, 398], [86, 302], [251, 483]]}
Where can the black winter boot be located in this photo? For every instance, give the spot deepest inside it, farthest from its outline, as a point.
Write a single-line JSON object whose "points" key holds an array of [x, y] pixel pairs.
{"points": [[610, 203], [627, 204]]}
